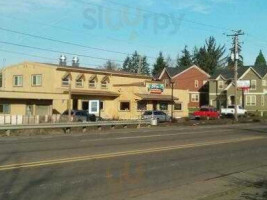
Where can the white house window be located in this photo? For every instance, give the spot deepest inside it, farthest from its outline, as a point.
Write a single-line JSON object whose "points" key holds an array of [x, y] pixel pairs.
{"points": [[251, 100], [79, 83], [104, 84], [66, 81], [253, 85], [264, 83], [195, 97], [196, 84], [18, 81], [220, 85], [92, 84], [36, 80], [4, 109]]}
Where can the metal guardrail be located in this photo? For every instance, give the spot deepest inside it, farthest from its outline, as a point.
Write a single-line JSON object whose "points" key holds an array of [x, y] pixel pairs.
{"points": [[74, 125]]}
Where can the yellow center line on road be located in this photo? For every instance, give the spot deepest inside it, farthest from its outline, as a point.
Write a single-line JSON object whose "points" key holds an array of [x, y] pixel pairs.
{"points": [[121, 154]]}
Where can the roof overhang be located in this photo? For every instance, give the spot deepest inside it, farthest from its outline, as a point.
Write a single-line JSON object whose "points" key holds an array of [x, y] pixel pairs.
{"points": [[97, 93], [156, 97]]}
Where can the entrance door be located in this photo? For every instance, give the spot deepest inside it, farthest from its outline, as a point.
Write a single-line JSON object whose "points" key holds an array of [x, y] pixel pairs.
{"points": [[94, 107], [85, 105], [155, 103]]}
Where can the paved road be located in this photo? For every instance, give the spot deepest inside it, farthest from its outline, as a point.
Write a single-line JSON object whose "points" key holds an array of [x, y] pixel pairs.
{"points": [[213, 162]]}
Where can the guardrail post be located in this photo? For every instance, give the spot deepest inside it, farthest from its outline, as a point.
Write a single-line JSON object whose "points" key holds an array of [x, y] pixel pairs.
{"points": [[84, 129], [7, 133], [67, 130]]}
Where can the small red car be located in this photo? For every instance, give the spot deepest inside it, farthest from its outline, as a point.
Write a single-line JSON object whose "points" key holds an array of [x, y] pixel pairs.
{"points": [[206, 112]]}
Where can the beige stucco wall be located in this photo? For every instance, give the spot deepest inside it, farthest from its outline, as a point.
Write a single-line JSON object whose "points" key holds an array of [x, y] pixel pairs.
{"points": [[52, 89]]}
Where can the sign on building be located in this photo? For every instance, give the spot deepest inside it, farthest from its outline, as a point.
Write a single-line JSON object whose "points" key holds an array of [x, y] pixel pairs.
{"points": [[156, 88], [243, 84]]}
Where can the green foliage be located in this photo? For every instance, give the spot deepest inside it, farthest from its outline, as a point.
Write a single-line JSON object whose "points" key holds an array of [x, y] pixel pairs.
{"points": [[136, 64], [260, 60], [185, 60], [109, 65], [208, 56], [159, 65]]}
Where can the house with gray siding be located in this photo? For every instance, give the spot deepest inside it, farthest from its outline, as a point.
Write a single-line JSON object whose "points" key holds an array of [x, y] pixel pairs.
{"points": [[222, 93]]}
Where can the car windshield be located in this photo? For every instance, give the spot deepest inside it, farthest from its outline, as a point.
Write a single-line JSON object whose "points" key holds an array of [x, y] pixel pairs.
{"points": [[231, 107], [148, 113], [204, 109]]}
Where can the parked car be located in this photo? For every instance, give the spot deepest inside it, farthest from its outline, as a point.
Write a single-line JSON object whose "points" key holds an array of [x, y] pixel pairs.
{"points": [[230, 111], [159, 115], [207, 113], [80, 116]]}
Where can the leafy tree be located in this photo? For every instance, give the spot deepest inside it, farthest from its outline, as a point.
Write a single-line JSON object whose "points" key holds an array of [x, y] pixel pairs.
{"points": [[208, 56], [159, 65], [260, 60], [110, 65], [185, 60], [136, 64]]}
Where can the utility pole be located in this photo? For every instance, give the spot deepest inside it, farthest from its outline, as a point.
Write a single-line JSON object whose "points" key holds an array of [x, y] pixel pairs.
{"points": [[235, 57], [69, 100], [140, 65]]}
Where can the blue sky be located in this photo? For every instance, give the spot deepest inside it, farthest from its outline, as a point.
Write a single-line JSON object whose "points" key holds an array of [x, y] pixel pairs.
{"points": [[110, 25]]}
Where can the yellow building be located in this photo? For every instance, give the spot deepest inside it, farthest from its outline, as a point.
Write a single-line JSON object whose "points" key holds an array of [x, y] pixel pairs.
{"points": [[33, 88]]}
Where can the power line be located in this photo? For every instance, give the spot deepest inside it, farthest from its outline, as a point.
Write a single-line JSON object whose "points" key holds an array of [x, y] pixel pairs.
{"points": [[66, 42], [60, 52], [42, 57]]}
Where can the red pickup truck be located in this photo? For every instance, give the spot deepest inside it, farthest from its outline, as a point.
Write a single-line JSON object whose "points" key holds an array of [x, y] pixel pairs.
{"points": [[206, 112]]}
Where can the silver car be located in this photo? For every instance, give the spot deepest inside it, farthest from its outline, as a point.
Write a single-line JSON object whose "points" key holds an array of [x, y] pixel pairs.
{"points": [[159, 115]]}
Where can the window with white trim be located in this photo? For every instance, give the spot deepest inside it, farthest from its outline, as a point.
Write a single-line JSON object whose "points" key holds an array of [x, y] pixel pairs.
{"points": [[36, 80], [251, 100], [253, 84], [66, 81], [196, 84], [79, 83], [195, 97], [220, 85], [264, 83], [92, 84], [18, 81], [104, 84]]}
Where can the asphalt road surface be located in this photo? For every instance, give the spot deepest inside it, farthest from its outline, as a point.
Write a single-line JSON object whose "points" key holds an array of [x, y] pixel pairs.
{"points": [[212, 162]]}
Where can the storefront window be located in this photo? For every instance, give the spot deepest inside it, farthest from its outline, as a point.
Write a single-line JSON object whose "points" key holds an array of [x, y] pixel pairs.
{"points": [[4, 108], [163, 106], [178, 106], [141, 105], [125, 106]]}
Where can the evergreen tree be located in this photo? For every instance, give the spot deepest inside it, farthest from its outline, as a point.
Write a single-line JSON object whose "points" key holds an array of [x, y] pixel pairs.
{"points": [[208, 56], [136, 64], [159, 65], [109, 65], [260, 60], [185, 60]]}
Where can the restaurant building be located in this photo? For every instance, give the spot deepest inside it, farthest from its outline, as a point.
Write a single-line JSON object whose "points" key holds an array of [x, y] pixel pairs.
{"points": [[32, 88]]}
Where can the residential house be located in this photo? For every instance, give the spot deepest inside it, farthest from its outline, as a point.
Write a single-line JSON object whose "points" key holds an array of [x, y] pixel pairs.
{"points": [[193, 79], [222, 92]]}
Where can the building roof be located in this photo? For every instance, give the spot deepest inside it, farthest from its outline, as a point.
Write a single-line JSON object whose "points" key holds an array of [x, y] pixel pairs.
{"points": [[175, 71], [229, 74], [105, 71], [93, 93]]}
